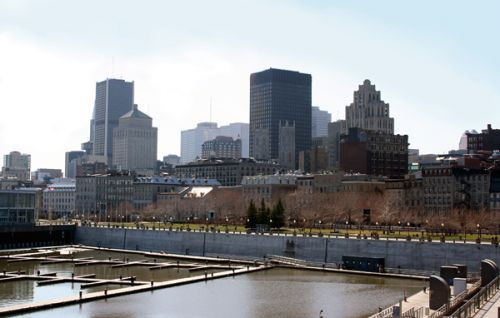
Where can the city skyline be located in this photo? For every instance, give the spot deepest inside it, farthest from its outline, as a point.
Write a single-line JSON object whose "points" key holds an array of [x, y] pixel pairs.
{"points": [[430, 87]]}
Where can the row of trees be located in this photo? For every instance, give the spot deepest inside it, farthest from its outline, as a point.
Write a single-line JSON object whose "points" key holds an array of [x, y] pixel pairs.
{"points": [[307, 209], [274, 217]]}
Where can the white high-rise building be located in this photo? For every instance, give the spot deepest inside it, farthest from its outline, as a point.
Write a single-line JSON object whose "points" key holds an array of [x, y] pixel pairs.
{"points": [[319, 122], [193, 139]]}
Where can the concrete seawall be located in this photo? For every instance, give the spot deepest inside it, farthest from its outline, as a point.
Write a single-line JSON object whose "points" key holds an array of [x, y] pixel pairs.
{"points": [[408, 255]]}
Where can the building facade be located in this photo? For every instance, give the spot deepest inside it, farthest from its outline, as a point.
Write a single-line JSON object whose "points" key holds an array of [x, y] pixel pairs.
{"points": [[335, 131], [286, 145], [487, 140], [319, 122], [59, 200], [114, 98], [374, 153], [17, 165], [221, 147], [44, 175], [447, 187], [368, 111], [193, 139], [104, 195], [229, 172], [148, 191], [276, 96], [135, 142], [19, 206], [69, 168]]}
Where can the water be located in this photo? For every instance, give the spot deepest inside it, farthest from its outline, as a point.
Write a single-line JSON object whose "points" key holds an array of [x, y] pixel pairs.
{"points": [[271, 293], [104, 271]]}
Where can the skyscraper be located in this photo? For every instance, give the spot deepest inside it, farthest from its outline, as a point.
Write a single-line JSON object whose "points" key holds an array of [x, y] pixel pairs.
{"points": [[276, 96], [320, 120], [135, 143], [114, 98], [368, 111]]}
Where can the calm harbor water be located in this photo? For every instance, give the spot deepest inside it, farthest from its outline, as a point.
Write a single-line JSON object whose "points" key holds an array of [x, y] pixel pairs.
{"points": [[270, 293]]}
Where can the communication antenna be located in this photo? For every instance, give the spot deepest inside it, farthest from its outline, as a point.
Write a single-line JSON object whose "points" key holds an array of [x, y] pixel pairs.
{"points": [[112, 66]]}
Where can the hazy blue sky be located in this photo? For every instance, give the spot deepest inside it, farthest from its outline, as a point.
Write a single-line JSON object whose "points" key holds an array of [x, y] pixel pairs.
{"points": [[437, 63]]}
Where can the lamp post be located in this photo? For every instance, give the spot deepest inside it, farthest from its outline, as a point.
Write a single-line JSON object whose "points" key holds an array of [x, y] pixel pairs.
{"points": [[408, 228], [319, 226], [294, 226], [442, 229], [270, 225], [479, 230]]}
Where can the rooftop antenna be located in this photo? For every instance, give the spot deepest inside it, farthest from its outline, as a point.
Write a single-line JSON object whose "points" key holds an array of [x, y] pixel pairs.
{"points": [[112, 66]]}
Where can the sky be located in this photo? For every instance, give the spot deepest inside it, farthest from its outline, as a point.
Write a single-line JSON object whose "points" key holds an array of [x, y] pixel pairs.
{"points": [[435, 62]]}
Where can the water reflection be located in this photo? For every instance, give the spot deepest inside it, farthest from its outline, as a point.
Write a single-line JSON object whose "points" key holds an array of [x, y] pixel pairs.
{"points": [[271, 293]]}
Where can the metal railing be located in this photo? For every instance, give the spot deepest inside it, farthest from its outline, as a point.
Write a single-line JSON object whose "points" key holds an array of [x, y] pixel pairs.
{"points": [[414, 313], [475, 303], [446, 307], [386, 313]]}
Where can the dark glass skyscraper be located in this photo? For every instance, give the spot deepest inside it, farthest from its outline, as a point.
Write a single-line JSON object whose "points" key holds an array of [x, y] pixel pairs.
{"points": [[113, 99], [279, 96]]}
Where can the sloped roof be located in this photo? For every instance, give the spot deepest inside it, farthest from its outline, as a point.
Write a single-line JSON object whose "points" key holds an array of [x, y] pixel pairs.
{"points": [[135, 113]]}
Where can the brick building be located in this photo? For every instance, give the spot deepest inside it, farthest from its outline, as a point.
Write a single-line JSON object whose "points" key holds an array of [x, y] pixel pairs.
{"points": [[374, 153]]}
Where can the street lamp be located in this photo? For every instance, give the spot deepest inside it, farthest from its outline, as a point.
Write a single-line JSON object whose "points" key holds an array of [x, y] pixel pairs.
{"points": [[479, 230]]}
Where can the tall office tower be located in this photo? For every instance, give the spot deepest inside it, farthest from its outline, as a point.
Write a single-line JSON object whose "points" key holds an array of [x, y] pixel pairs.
{"points": [[135, 142], [17, 165], [69, 171], [275, 96], [368, 111], [319, 122], [114, 98]]}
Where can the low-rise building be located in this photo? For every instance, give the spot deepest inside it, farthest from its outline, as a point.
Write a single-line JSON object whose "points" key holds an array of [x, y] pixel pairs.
{"points": [[487, 140], [148, 189], [452, 186], [408, 192], [268, 187], [19, 206], [104, 194], [44, 175], [495, 188], [221, 147], [59, 200], [229, 172], [374, 153]]}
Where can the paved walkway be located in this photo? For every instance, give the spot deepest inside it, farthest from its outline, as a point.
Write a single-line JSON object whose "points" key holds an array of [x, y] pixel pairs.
{"points": [[490, 309]]}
